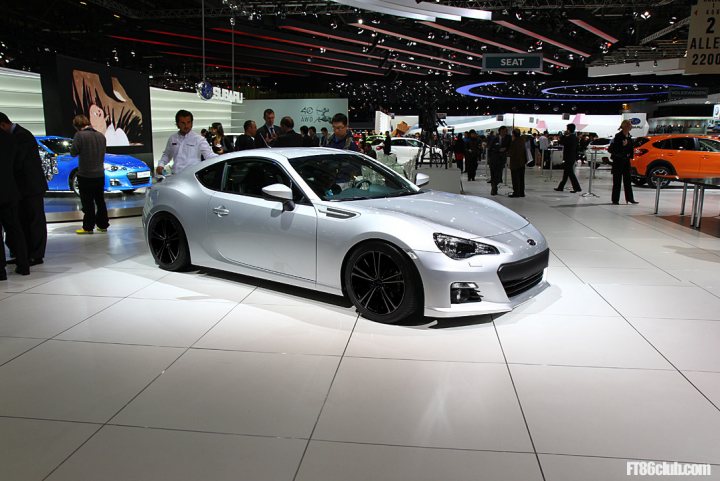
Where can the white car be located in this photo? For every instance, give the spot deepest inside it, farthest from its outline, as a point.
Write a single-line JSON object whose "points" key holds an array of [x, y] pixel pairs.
{"points": [[409, 150], [598, 149]]}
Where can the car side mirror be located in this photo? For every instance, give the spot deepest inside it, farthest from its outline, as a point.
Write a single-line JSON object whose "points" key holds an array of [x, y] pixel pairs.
{"points": [[282, 193], [422, 179]]}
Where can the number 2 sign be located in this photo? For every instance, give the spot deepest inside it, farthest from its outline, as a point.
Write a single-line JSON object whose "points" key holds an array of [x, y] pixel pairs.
{"points": [[703, 54]]}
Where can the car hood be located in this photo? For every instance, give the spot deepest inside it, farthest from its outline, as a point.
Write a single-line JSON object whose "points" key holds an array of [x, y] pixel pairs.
{"points": [[475, 216], [121, 160]]}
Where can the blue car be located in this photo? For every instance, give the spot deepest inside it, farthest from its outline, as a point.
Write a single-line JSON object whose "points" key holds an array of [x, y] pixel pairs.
{"points": [[122, 172]]}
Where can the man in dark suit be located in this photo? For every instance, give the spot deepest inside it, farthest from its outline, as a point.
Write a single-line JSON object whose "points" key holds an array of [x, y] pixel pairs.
{"points": [[288, 138], [569, 141], [387, 144], [497, 157], [268, 133], [246, 141], [32, 184], [9, 220], [312, 139]]}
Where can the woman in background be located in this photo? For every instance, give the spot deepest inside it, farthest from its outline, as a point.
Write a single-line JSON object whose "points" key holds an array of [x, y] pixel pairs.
{"points": [[459, 150], [621, 151], [220, 144]]}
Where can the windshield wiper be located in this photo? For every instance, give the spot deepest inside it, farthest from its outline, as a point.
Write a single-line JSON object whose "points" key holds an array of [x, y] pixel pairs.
{"points": [[401, 194]]}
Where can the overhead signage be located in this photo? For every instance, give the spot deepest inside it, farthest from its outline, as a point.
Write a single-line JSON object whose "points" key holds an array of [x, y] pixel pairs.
{"points": [[703, 53], [512, 62], [675, 93]]}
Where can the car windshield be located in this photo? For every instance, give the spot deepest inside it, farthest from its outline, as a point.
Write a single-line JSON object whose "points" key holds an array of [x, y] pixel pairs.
{"points": [[58, 146], [600, 142], [341, 177]]}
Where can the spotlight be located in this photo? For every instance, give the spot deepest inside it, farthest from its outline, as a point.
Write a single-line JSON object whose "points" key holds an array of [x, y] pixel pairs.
{"points": [[360, 21], [645, 15], [333, 25]]}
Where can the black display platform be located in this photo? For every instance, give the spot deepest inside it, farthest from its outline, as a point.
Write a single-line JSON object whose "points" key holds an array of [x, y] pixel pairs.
{"points": [[65, 206]]}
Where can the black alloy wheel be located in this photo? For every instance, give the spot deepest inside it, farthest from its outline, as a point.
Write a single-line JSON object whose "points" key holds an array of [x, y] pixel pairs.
{"points": [[382, 283], [661, 169], [74, 184], [168, 244]]}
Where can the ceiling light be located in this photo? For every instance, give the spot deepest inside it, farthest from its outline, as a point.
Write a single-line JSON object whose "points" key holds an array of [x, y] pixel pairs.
{"points": [[360, 21], [645, 15]]}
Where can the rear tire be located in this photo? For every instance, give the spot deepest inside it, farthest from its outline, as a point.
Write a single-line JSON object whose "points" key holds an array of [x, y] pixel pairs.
{"points": [[659, 169], [383, 283], [73, 184], [168, 243]]}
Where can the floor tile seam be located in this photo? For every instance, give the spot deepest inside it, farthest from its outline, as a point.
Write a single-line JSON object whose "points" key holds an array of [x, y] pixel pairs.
{"points": [[620, 246], [706, 290], [327, 396], [155, 378], [52, 338], [205, 431], [70, 295], [517, 397], [705, 371], [595, 456], [55, 420], [418, 446], [250, 351], [667, 360]]}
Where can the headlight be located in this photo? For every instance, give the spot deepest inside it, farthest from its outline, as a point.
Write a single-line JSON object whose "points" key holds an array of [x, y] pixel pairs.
{"points": [[458, 248], [112, 167]]}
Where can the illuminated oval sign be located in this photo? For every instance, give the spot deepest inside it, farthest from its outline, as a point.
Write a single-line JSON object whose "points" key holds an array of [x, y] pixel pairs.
{"points": [[204, 90], [635, 121]]}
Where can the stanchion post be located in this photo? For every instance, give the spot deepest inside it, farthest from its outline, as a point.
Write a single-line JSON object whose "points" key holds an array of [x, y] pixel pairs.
{"points": [[590, 193], [684, 198]]}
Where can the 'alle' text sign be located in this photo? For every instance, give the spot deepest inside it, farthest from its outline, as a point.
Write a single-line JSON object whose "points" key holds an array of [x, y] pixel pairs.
{"points": [[703, 53]]}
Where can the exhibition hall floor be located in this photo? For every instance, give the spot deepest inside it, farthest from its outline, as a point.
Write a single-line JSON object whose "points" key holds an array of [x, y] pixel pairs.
{"points": [[112, 369]]}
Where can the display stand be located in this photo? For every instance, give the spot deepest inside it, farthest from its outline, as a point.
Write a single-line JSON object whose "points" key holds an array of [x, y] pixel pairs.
{"points": [[593, 159]]}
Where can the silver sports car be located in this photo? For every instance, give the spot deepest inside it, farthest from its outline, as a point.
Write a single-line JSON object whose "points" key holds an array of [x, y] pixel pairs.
{"points": [[342, 223]]}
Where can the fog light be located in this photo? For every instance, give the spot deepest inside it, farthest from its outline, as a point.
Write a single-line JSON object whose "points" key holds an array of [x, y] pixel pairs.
{"points": [[114, 182], [462, 292]]}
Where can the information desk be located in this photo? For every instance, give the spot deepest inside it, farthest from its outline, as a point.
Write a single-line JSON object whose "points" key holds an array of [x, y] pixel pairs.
{"points": [[699, 182]]}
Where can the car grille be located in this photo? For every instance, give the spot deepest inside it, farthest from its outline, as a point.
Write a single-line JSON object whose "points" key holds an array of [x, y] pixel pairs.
{"points": [[518, 277], [132, 178]]}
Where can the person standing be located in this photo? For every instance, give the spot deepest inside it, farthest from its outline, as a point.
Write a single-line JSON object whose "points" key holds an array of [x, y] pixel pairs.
{"points": [[387, 144], [9, 221], [569, 141], [472, 155], [312, 139], [518, 160], [246, 141], [342, 137], [219, 143], [498, 151], [184, 148], [288, 137], [324, 137], [621, 150], [459, 151], [89, 145], [32, 185], [268, 133], [543, 144]]}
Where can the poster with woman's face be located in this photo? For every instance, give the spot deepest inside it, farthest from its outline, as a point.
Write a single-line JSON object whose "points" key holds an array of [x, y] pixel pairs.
{"points": [[117, 102], [112, 113]]}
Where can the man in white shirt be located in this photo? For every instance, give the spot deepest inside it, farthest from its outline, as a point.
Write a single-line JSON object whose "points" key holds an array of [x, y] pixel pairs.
{"points": [[185, 147], [543, 144]]}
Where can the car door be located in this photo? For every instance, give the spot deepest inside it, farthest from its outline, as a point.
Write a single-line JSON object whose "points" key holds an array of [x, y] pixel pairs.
{"points": [[403, 151], [709, 157], [247, 228], [684, 155]]}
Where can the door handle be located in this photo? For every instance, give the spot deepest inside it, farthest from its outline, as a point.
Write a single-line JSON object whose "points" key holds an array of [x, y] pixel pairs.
{"points": [[220, 211]]}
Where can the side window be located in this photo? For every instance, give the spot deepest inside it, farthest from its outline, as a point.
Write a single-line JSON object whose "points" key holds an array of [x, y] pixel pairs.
{"points": [[211, 177], [414, 143], [683, 143], [663, 144], [707, 145], [399, 142], [249, 176]]}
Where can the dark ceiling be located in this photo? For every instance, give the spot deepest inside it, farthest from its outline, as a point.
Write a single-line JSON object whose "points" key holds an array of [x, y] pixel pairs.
{"points": [[320, 46]]}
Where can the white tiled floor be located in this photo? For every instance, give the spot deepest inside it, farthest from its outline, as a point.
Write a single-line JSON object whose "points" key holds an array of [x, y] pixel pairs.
{"points": [[113, 369]]}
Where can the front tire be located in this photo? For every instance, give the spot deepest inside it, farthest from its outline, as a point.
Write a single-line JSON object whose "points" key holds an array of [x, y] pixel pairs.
{"points": [[73, 184], [383, 284], [168, 243]]}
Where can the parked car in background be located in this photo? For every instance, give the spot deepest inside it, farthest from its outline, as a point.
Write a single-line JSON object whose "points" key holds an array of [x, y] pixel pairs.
{"points": [[598, 150], [342, 223], [123, 173], [683, 155], [409, 150]]}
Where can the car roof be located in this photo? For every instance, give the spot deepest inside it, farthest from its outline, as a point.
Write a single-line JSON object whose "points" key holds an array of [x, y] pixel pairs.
{"points": [[676, 136], [288, 153], [51, 137]]}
